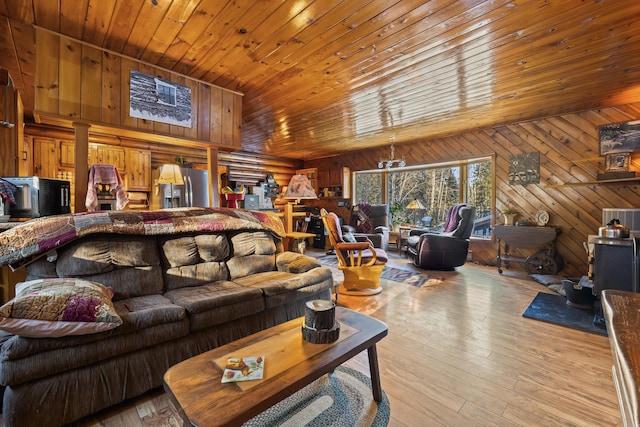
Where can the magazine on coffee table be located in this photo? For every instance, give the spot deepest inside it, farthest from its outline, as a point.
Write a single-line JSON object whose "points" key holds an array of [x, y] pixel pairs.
{"points": [[243, 369]]}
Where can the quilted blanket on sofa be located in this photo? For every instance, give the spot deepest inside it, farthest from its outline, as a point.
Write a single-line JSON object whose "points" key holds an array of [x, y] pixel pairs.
{"points": [[40, 235]]}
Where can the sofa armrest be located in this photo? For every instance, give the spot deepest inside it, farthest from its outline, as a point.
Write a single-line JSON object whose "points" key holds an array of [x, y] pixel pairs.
{"points": [[376, 239], [293, 262], [420, 232], [379, 240], [442, 242], [364, 238]]}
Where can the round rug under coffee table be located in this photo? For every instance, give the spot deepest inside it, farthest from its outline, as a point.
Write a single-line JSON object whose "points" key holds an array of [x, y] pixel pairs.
{"points": [[342, 398]]}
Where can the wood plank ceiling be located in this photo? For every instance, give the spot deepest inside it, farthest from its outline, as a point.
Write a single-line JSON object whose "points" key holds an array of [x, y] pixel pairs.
{"points": [[326, 77]]}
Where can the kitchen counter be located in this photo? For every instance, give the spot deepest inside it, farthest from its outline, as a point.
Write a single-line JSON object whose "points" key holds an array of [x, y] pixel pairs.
{"points": [[622, 316]]}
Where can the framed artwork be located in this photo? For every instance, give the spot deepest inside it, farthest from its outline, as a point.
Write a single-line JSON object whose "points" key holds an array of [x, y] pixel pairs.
{"points": [[524, 168], [617, 162], [160, 100], [620, 138]]}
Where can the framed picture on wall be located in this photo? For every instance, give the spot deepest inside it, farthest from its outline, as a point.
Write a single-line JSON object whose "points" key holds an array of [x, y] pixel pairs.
{"points": [[618, 162], [160, 100], [620, 138], [524, 168]]}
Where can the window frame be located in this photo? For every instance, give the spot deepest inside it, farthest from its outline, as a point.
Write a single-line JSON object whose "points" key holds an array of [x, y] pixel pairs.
{"points": [[173, 93], [463, 194]]}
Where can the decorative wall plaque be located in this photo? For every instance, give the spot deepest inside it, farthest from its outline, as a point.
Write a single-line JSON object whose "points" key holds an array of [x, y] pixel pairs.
{"points": [[524, 168]]}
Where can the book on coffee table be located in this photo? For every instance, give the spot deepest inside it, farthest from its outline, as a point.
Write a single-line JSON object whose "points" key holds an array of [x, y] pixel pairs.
{"points": [[243, 369]]}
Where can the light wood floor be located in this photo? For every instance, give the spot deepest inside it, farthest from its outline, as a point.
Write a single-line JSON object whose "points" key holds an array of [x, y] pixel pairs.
{"points": [[459, 353]]}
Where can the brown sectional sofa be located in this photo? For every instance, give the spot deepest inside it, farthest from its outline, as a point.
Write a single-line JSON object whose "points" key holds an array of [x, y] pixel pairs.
{"points": [[178, 291]]}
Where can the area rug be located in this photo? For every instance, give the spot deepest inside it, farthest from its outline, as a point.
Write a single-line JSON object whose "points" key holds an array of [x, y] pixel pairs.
{"points": [[342, 398], [326, 260], [553, 308], [394, 274], [408, 277]]}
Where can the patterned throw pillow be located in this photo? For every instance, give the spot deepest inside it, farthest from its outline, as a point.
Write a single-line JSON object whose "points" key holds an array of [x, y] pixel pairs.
{"points": [[48, 308]]}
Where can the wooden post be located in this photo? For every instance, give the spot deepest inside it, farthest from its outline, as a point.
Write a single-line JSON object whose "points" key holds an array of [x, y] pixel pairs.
{"points": [[81, 177], [214, 186]]}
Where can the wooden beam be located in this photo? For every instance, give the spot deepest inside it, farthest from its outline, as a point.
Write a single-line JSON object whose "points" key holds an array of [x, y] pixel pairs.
{"points": [[81, 168]]}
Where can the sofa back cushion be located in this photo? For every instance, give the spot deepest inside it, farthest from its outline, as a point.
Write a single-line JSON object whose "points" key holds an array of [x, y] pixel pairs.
{"points": [[253, 252], [194, 260], [131, 266]]}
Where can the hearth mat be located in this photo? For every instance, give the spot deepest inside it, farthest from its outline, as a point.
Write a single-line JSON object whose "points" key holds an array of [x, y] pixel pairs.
{"points": [[552, 308]]}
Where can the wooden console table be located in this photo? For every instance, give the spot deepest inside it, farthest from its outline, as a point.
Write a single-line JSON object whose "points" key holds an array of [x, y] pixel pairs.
{"points": [[544, 261]]}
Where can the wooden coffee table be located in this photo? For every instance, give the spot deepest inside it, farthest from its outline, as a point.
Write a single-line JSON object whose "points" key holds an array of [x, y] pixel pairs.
{"points": [[291, 363]]}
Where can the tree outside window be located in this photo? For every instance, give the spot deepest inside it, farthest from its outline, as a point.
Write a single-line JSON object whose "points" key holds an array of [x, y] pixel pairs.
{"points": [[368, 187], [436, 187]]}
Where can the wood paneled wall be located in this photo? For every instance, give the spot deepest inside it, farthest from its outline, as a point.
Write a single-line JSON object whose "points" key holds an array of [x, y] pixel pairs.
{"points": [[79, 82], [11, 128], [242, 167], [569, 154]]}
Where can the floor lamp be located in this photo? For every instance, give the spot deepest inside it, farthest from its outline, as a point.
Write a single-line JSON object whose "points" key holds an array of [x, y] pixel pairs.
{"points": [[171, 174]]}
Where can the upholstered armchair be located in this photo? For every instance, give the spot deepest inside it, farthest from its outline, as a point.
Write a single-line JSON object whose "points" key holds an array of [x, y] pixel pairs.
{"points": [[360, 262], [447, 249], [372, 222]]}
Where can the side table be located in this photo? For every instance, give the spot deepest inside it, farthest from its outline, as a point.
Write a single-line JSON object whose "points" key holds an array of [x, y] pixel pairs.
{"points": [[405, 232], [297, 241], [394, 239], [544, 261]]}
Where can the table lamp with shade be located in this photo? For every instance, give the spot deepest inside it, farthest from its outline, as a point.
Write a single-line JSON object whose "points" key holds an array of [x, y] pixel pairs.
{"points": [[415, 205], [299, 188], [171, 174]]}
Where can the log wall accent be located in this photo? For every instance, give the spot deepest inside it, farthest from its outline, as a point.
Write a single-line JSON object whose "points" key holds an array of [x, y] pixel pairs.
{"points": [[75, 81], [569, 164]]}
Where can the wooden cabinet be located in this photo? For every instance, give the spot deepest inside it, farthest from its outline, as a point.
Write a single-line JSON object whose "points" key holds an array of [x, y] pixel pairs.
{"points": [[138, 175], [11, 111], [45, 158], [67, 154], [335, 183], [107, 155], [55, 158]]}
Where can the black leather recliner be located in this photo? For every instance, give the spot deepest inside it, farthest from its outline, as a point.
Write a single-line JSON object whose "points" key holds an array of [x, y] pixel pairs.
{"points": [[378, 219], [445, 250]]}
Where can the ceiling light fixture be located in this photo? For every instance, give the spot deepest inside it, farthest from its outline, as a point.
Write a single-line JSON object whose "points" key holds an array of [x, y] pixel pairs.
{"points": [[389, 163]]}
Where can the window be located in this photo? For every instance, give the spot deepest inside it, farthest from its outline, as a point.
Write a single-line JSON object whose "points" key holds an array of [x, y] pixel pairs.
{"points": [[166, 93], [479, 193], [368, 186], [436, 187]]}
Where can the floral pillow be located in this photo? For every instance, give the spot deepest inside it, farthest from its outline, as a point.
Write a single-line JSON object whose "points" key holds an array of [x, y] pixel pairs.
{"points": [[59, 307]]}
